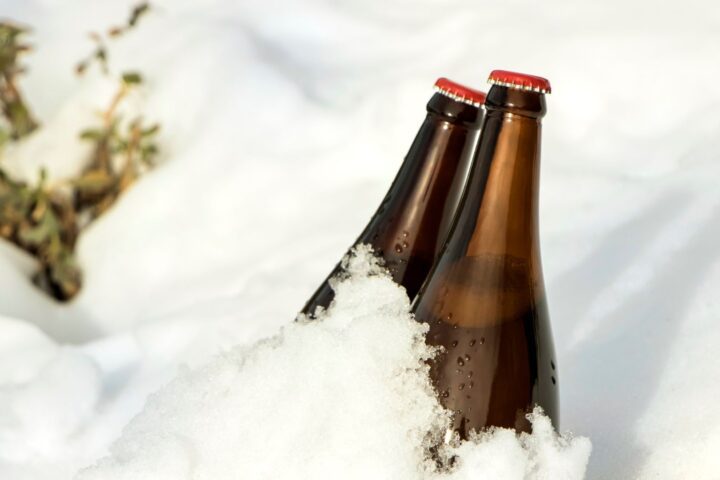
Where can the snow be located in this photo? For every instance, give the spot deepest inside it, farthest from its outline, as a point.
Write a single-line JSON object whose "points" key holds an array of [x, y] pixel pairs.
{"points": [[348, 395], [281, 132], [47, 393]]}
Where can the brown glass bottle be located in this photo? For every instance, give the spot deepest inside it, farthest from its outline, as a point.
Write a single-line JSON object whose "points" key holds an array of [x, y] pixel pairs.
{"points": [[411, 224], [484, 301]]}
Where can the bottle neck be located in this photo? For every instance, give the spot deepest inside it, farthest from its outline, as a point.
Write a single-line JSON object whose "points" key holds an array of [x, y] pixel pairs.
{"points": [[503, 190], [412, 222], [452, 111], [432, 172]]}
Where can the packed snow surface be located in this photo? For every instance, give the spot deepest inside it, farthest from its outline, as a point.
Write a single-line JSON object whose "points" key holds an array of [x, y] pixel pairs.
{"points": [[345, 396], [282, 127]]}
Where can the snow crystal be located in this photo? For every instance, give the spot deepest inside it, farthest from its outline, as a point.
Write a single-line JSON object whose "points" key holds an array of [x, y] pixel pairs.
{"points": [[347, 395]]}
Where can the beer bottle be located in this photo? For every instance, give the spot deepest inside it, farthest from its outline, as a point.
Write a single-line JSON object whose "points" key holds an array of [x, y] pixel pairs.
{"points": [[484, 301], [411, 224]]}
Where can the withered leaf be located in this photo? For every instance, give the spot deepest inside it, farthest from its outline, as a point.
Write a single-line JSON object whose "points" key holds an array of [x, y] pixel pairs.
{"points": [[132, 78], [81, 67], [151, 130], [39, 234], [94, 182], [138, 12], [92, 134]]}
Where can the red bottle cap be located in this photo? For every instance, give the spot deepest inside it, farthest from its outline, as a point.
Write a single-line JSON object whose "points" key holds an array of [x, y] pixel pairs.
{"points": [[519, 81], [459, 93]]}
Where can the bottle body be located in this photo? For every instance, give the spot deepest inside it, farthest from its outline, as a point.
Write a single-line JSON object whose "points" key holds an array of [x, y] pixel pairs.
{"points": [[485, 301], [413, 220]]}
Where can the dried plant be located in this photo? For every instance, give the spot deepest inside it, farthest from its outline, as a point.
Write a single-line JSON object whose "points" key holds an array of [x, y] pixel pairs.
{"points": [[19, 122], [42, 222], [46, 220], [119, 156], [100, 53]]}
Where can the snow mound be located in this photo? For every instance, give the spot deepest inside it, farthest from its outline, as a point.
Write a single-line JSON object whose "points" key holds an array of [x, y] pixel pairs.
{"points": [[347, 395], [502, 455], [47, 393]]}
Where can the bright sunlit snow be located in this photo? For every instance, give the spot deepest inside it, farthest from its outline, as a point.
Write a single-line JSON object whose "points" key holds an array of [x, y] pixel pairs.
{"points": [[346, 396], [282, 128]]}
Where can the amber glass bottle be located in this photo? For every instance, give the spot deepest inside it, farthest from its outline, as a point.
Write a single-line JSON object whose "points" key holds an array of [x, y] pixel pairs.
{"points": [[412, 221], [485, 300]]}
